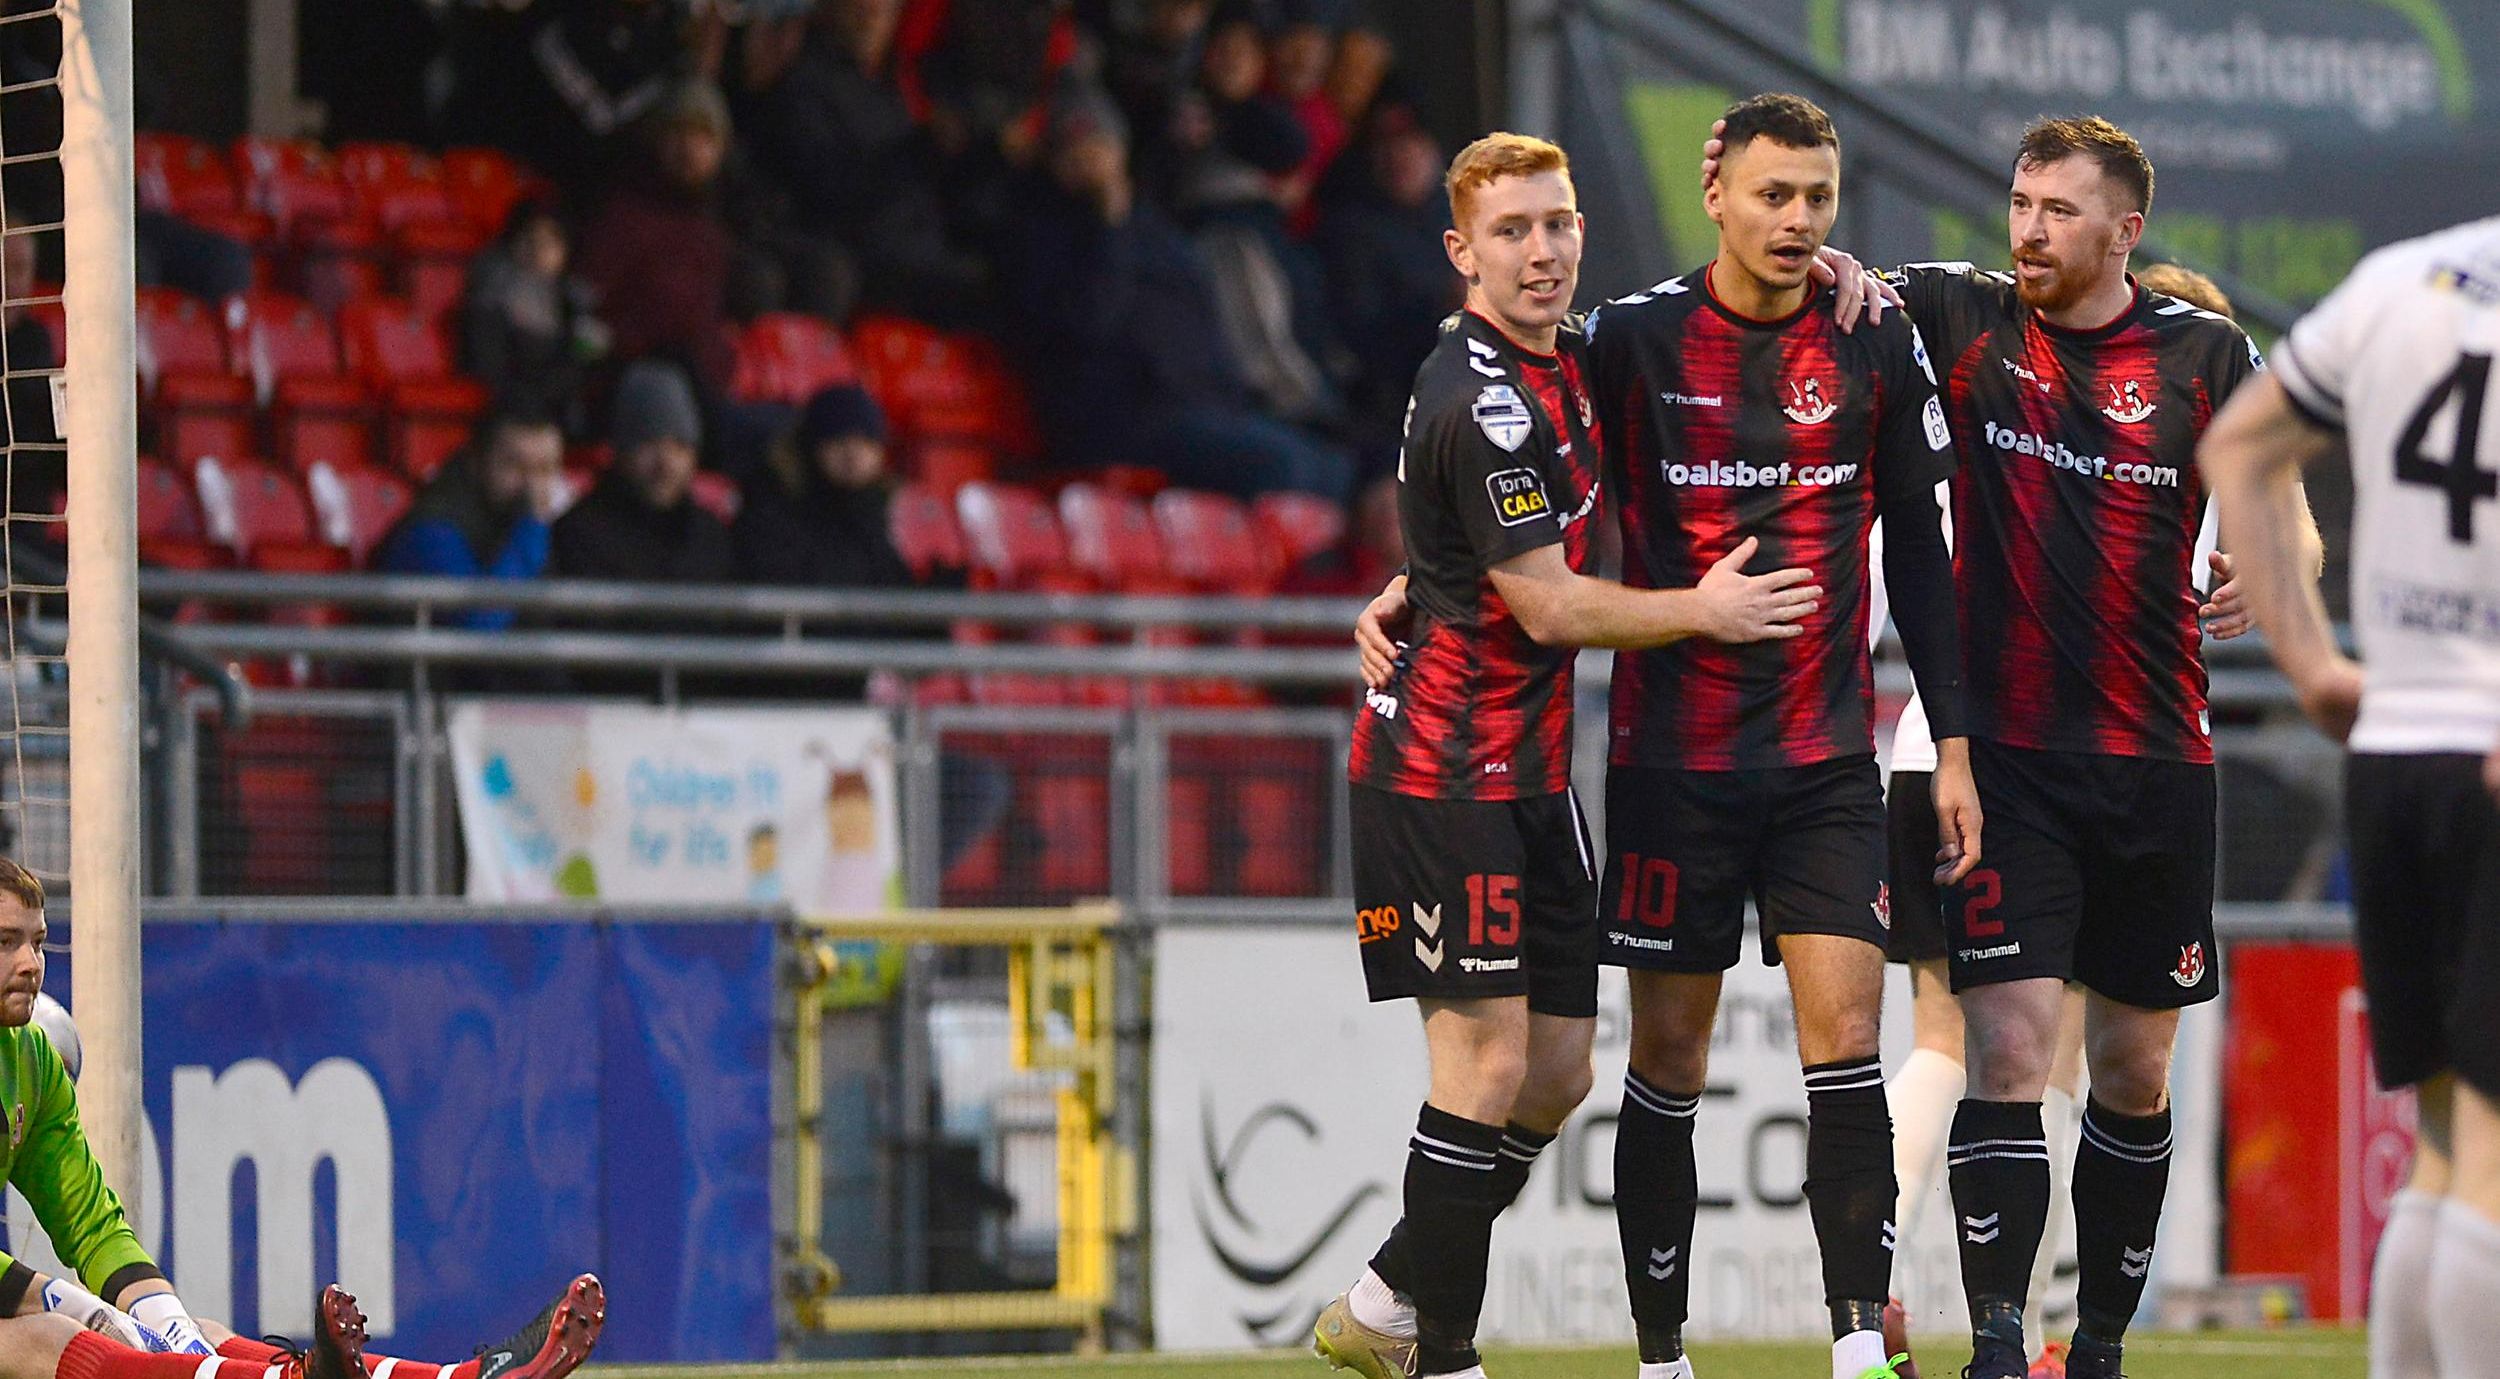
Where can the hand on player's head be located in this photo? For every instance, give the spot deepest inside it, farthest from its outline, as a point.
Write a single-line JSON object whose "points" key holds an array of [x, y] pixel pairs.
{"points": [[1712, 150], [1755, 608]]}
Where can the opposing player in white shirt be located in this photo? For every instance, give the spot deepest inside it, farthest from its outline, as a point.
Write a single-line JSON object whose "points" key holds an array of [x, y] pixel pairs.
{"points": [[2395, 368]]}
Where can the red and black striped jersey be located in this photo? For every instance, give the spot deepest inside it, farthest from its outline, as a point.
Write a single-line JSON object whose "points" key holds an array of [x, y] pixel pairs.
{"points": [[1719, 427], [2076, 510], [1500, 459]]}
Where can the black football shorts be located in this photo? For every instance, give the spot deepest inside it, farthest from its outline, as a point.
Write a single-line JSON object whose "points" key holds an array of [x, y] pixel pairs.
{"points": [[2426, 894], [2093, 869], [1460, 899], [1684, 849]]}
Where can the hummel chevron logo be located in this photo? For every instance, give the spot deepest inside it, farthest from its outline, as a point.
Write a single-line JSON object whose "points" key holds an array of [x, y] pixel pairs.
{"points": [[1979, 1230], [1892, 1239], [1662, 1262], [1429, 954], [2133, 1263], [1427, 920]]}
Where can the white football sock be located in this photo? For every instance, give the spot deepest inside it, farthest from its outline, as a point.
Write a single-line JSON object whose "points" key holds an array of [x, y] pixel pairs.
{"points": [[2465, 1278], [2400, 1290], [1377, 1305], [2062, 1120], [1856, 1353], [1923, 1097], [1679, 1368]]}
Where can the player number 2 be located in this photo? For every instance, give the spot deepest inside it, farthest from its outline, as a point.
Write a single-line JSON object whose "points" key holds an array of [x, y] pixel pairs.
{"points": [[1984, 890], [1648, 891], [1498, 895], [2464, 481]]}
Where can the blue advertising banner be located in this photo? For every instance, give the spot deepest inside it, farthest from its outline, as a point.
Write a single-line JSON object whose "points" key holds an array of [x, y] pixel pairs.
{"points": [[453, 1116]]}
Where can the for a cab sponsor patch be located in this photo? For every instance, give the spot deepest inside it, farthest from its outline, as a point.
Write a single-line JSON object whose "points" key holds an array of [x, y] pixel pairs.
{"points": [[1502, 414], [1518, 496]]}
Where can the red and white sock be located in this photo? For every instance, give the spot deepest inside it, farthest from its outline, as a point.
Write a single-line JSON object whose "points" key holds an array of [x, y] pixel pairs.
{"points": [[90, 1356]]}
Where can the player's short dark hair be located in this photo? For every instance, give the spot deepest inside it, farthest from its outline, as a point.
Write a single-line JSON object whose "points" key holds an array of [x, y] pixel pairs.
{"points": [[2188, 286], [2120, 158], [17, 881], [1788, 120]]}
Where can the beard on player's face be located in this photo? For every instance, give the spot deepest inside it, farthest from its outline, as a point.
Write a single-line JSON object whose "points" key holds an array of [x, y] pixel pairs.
{"points": [[2075, 269]]}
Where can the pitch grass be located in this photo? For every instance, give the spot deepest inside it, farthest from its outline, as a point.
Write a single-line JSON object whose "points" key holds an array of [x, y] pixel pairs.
{"points": [[2286, 1354]]}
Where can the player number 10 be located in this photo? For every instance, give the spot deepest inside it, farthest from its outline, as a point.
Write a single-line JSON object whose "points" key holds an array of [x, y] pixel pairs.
{"points": [[1648, 891]]}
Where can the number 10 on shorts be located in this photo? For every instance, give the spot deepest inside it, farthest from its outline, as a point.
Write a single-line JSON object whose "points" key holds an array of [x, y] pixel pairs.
{"points": [[1648, 891]]}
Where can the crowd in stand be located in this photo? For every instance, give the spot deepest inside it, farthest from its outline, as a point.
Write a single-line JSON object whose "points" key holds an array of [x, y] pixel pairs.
{"points": [[1207, 235]]}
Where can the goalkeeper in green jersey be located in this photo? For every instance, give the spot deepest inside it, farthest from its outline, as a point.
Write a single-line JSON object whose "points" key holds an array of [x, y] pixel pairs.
{"points": [[119, 1318]]}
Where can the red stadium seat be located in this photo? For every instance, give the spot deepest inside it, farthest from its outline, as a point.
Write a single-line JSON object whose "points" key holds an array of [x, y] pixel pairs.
{"points": [[948, 465], [1274, 813], [356, 508], [786, 356], [1072, 813], [926, 533], [386, 340], [292, 180], [1212, 542], [1111, 537], [485, 184], [1010, 534], [205, 414], [322, 419], [277, 336], [1299, 527], [370, 166], [171, 531], [183, 176], [428, 422], [178, 334], [251, 503], [431, 264]]}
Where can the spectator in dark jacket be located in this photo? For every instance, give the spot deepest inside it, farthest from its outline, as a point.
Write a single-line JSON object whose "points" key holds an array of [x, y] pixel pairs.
{"points": [[659, 251], [485, 513], [1388, 277], [820, 518], [587, 73], [1126, 350], [836, 132], [527, 329], [641, 521]]}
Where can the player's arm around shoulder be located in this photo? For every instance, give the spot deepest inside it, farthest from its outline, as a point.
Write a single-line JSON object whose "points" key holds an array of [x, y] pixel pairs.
{"points": [[1559, 607]]}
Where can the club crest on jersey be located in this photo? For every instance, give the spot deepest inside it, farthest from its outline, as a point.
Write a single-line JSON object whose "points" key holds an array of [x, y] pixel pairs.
{"points": [[2127, 403], [1806, 404], [1588, 410], [2191, 968], [1502, 415]]}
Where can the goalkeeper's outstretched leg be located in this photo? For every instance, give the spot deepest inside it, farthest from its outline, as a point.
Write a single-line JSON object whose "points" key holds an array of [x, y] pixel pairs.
{"points": [[559, 1338]]}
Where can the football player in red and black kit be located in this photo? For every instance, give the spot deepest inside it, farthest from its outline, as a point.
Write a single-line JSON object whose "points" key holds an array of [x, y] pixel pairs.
{"points": [[1731, 400], [2076, 401], [1472, 871]]}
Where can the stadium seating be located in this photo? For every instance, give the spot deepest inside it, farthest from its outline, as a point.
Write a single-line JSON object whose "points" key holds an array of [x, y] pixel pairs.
{"points": [[178, 334], [926, 534], [387, 340], [1113, 539], [356, 507], [277, 336], [1010, 535], [248, 504], [184, 176], [786, 357], [430, 263], [427, 421], [201, 415], [170, 528], [485, 185], [1298, 527], [1213, 545], [321, 419]]}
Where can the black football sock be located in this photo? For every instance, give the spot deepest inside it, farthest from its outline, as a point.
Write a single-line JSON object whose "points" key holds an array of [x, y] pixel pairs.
{"points": [[1657, 1190], [1451, 1200], [1520, 1146], [1998, 1164], [1849, 1189], [2122, 1169]]}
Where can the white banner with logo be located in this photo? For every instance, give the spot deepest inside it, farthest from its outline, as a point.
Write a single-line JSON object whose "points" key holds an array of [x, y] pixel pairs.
{"points": [[1282, 1103], [628, 802]]}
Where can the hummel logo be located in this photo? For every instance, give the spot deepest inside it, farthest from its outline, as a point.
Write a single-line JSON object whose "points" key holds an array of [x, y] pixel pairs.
{"points": [[1429, 954], [1891, 1240], [2133, 1263], [1483, 351], [494, 1364], [1662, 1262], [1979, 1230], [1427, 920]]}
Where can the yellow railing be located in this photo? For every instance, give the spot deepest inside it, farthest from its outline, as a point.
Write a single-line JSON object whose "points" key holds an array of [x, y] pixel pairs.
{"points": [[1060, 962]]}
